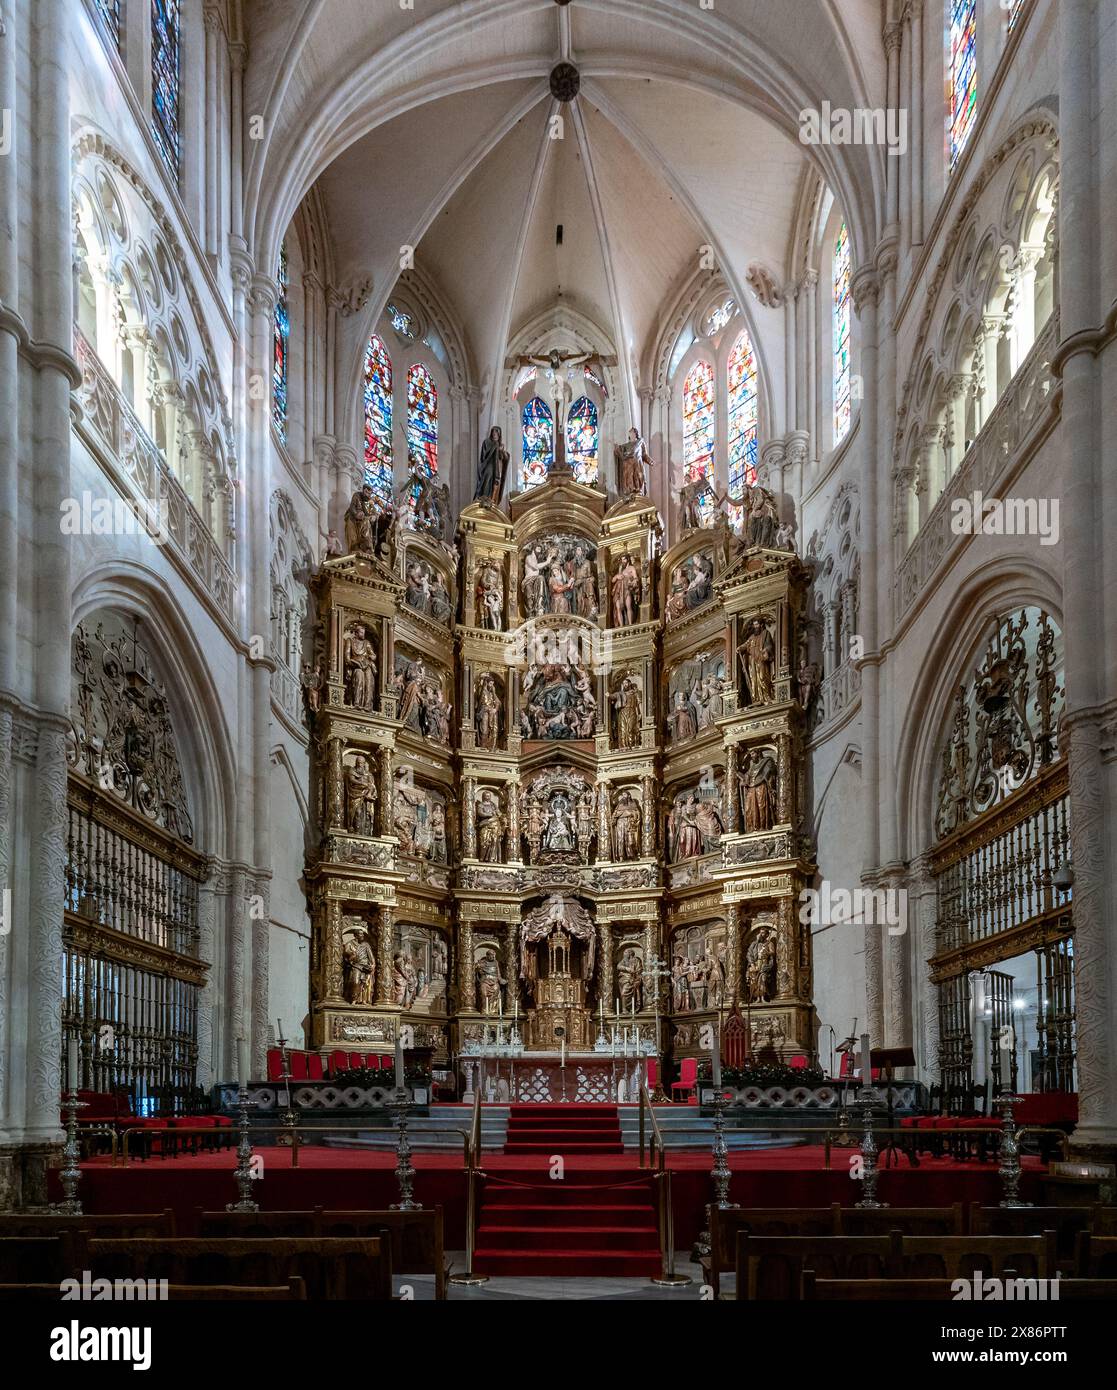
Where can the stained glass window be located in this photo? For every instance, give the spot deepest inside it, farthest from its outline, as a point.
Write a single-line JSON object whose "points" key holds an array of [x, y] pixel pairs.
{"points": [[743, 418], [422, 421], [718, 317], [581, 440], [165, 74], [698, 429], [110, 12], [402, 321], [963, 74], [539, 443], [378, 417], [281, 336], [841, 301]]}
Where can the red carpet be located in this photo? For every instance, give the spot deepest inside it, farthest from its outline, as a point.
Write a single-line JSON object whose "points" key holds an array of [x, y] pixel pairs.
{"points": [[362, 1179], [565, 1223]]}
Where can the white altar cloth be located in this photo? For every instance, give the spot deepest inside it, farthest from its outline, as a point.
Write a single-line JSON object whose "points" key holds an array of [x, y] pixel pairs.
{"points": [[540, 1077]]}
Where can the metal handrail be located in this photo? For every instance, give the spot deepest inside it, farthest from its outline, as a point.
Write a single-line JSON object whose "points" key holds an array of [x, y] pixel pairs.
{"points": [[472, 1175], [656, 1137], [297, 1136]]}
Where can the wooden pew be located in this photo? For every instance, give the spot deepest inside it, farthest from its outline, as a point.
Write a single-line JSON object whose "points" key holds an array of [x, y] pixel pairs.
{"points": [[1066, 1222], [1096, 1256], [38, 1259], [938, 1290], [960, 1257], [771, 1267], [271, 1224], [332, 1269], [155, 1224], [761, 1221], [295, 1288], [912, 1221], [416, 1237]]}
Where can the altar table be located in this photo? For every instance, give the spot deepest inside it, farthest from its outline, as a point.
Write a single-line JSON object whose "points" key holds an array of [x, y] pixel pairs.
{"points": [[541, 1077]]}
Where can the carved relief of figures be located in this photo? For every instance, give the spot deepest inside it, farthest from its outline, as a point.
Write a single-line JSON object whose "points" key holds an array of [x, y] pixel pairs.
{"points": [[368, 523], [698, 967], [488, 713], [694, 825], [761, 518], [405, 981], [490, 826], [491, 468], [628, 712], [419, 818], [358, 969], [558, 702], [630, 980], [423, 505], [360, 797], [426, 592], [757, 658], [626, 592], [556, 816], [757, 782], [694, 691], [490, 981], [760, 966], [625, 821], [692, 584], [490, 597], [426, 952], [360, 668], [420, 703], [632, 460], [559, 576]]}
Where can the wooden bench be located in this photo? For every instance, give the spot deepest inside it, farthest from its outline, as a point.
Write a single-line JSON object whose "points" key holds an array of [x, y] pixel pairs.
{"points": [[144, 1223], [771, 1267], [761, 1221], [332, 1269], [912, 1221], [37, 1258], [270, 1224], [1066, 1222], [1095, 1256], [937, 1290], [295, 1288], [961, 1257]]}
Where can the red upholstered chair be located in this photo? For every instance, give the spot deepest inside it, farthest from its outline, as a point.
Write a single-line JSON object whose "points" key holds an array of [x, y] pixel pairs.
{"points": [[315, 1066], [652, 1073], [372, 1061], [688, 1080], [356, 1060], [339, 1061], [275, 1063], [798, 1062], [298, 1066]]}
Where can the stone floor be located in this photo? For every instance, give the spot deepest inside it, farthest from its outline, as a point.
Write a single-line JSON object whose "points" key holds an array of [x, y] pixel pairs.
{"points": [[593, 1290]]}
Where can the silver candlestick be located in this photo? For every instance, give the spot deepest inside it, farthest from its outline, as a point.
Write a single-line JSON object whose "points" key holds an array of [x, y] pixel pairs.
{"points": [[1009, 1168], [720, 1174], [290, 1119], [70, 1173], [870, 1173], [405, 1169], [243, 1171]]}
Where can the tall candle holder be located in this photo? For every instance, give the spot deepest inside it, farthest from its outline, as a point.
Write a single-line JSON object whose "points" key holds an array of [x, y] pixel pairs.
{"points": [[1009, 1167], [290, 1118], [867, 1096], [405, 1169], [720, 1175], [242, 1173], [70, 1174]]}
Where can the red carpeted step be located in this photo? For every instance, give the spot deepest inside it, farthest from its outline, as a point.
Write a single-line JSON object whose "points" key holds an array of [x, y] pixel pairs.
{"points": [[574, 1121], [559, 1146], [566, 1194], [600, 1264], [565, 1238], [541, 1132], [522, 1214]]}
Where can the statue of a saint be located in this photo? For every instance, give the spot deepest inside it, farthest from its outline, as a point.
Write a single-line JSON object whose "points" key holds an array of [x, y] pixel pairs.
{"points": [[491, 468], [360, 797], [757, 657], [490, 827], [359, 970], [629, 711], [762, 519], [630, 981], [626, 594], [489, 983], [626, 828], [490, 598], [360, 669], [585, 585], [533, 586], [758, 791], [535, 823], [488, 714], [632, 460], [559, 834], [761, 966]]}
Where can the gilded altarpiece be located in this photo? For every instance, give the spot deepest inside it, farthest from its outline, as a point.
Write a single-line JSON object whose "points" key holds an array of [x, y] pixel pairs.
{"points": [[511, 798]]}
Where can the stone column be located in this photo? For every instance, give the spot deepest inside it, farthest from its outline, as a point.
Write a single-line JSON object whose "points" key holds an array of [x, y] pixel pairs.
{"points": [[385, 948], [467, 984], [785, 779], [915, 123], [511, 969], [212, 20], [1087, 362], [892, 39], [922, 923], [787, 950], [469, 818]]}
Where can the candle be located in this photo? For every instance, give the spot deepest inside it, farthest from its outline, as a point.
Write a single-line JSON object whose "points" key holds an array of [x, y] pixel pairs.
{"points": [[242, 1063], [1006, 1069], [562, 1055], [399, 1064], [500, 1005], [717, 1059], [601, 1011], [618, 1006], [624, 1031], [72, 1077], [515, 1012], [866, 1061], [632, 1001], [280, 1035]]}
